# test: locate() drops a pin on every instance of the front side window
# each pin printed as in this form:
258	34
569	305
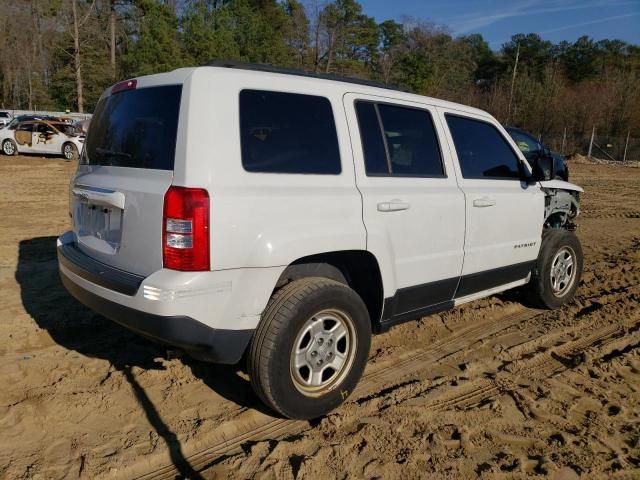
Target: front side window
44	128
398	141
482	150
288	133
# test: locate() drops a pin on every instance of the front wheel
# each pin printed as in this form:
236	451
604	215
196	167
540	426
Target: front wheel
558	269
9	147
69	151
310	348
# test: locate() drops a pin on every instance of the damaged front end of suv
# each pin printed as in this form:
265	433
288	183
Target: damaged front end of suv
561	204
562	199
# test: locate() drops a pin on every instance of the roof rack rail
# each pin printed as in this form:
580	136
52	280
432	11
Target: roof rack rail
259	67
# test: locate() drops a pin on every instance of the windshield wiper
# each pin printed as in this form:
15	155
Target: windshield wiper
112	153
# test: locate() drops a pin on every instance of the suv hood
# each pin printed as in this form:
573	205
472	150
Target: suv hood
561	185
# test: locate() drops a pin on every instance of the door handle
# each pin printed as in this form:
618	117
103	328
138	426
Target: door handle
484	202
393	206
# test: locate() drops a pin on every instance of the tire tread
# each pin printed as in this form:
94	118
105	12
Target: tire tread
275	318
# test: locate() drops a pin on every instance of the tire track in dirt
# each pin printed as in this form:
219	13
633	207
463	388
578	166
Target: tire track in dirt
545	354
597	215
253	426
542	365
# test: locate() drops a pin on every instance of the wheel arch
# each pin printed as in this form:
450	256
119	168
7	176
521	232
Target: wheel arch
357	268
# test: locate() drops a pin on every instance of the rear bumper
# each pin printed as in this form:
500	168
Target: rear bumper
197	339
90	282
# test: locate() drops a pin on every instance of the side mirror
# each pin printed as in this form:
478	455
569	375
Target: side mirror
544	168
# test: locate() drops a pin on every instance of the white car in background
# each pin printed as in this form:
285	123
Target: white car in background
5	118
42	136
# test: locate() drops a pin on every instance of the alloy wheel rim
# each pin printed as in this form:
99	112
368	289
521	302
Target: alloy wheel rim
8	148
323	352
67	151
563	271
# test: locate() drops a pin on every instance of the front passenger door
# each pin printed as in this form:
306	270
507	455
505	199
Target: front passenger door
504	214
45	139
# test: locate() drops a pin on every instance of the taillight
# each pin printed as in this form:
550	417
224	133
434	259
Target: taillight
185	231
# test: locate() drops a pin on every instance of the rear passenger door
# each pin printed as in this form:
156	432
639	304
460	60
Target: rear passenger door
413	210
504	214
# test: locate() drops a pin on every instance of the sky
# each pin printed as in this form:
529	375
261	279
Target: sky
497	20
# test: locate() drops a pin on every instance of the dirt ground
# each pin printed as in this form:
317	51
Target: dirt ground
491	390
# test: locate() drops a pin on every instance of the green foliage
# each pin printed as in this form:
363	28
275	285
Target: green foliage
579	59
155	46
534	53
249	30
208	32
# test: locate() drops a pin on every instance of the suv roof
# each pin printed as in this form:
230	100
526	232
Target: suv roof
258	67
341	85
370	87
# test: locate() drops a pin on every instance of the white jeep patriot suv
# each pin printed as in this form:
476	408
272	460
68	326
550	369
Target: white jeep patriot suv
247	211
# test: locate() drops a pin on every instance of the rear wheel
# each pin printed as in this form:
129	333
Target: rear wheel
310	348
69	151
558	269
9	147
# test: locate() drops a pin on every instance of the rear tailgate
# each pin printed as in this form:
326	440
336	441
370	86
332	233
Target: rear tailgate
125	169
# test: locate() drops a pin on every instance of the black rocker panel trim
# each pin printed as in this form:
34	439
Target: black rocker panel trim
415	302
386	323
477	282
418	297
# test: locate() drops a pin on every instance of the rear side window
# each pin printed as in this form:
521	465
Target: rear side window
375	157
482	150
135	128
398	141
288	133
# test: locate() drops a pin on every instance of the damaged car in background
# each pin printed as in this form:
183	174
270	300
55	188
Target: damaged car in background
5	118
533	150
47	136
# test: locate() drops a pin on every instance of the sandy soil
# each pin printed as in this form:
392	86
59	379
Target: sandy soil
492	389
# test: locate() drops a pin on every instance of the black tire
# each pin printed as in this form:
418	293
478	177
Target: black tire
270	359
556	243
9	146
69	151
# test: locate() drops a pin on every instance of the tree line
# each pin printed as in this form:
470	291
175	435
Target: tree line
61	54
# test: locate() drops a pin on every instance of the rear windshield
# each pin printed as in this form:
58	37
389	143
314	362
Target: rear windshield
135	128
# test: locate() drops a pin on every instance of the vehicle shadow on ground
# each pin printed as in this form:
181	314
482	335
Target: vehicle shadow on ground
76	327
